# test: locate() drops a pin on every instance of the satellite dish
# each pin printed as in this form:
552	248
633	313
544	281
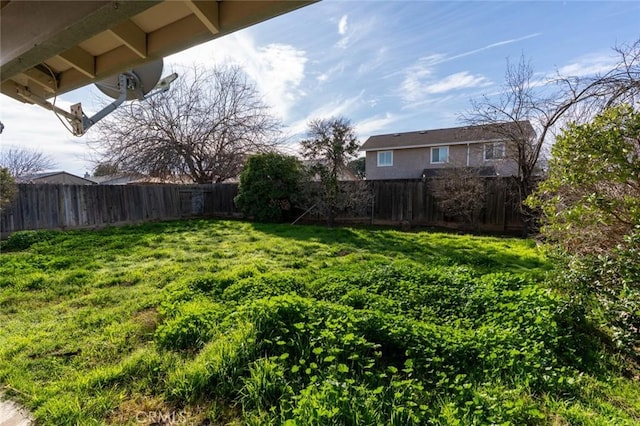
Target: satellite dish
139	83
142	80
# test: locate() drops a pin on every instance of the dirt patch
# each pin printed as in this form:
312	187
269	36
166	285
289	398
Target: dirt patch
12	414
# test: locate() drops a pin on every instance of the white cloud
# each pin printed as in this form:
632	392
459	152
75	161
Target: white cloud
34	128
344	42
374	125
343	25
588	65
421	80
277	69
487	47
427	63
336	108
329	74
355	32
377	60
457	81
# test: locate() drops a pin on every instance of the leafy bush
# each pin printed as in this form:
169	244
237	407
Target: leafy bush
269	187
591	206
342	365
607	288
591	198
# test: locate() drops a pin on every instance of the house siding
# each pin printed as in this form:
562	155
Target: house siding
409	163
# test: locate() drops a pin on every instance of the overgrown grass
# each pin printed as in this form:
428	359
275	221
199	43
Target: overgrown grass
217	322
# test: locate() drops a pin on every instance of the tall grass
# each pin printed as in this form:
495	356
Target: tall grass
231	322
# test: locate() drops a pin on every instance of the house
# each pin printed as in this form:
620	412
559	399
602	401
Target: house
54	178
139	179
416	155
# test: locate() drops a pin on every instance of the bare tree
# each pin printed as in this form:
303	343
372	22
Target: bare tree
547	105
8	188
204	128
330	145
597	92
105	169
21	162
460	192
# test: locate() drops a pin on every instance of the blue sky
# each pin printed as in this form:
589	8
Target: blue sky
388	66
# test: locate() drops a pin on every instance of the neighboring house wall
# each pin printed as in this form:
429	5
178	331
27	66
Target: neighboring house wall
485	147
505	166
409	163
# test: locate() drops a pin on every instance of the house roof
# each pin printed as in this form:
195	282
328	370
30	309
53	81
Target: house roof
47	177
140	179
454	135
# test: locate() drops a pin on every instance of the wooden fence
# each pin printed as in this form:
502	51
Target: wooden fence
411	203
393	203
46	206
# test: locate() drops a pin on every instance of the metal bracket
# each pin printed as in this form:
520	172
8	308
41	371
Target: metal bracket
79	122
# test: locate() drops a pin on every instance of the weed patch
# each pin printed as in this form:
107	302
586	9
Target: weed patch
221	322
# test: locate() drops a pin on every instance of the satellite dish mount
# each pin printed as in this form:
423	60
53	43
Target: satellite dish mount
129	85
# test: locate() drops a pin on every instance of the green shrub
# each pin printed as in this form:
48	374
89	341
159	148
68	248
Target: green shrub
607	290
269	187
591	199
22	240
334	402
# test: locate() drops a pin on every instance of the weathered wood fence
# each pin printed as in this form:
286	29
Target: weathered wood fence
410	202
46	206
394	203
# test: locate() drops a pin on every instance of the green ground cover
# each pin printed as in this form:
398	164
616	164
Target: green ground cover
218	322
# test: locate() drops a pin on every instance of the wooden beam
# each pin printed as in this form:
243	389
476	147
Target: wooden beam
81	60
115	61
43	78
177	36
132	36
236	15
207	13
111	16
14	90
59	26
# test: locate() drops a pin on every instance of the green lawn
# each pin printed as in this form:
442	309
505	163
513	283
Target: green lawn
217	322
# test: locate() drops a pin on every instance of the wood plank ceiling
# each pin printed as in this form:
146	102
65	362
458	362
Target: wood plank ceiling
51	47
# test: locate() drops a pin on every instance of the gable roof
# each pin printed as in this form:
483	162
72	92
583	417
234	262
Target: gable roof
54	177
454	135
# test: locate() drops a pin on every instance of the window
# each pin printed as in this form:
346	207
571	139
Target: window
494	151
385	158
440	154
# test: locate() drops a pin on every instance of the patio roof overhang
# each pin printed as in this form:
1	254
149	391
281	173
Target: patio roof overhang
51	47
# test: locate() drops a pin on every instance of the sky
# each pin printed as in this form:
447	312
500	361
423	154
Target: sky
388	66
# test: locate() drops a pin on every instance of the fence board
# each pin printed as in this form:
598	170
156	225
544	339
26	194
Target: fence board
396	202
45	206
